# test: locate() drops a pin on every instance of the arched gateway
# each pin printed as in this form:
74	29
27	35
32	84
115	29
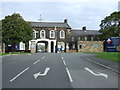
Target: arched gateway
49	46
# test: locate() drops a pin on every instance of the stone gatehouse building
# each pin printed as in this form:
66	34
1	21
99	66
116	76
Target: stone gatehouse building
59	36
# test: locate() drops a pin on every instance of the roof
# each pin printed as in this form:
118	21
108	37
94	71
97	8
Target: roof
50	24
75	32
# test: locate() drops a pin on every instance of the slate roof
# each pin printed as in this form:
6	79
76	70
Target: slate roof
75	32
50	24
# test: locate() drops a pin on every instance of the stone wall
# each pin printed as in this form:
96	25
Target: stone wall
90	46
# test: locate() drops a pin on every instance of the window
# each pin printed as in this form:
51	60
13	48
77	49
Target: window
91	38
79	38
72	38
80	46
52	34
62	34
42	34
85	38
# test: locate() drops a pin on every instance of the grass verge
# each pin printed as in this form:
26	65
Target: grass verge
12	53
113	56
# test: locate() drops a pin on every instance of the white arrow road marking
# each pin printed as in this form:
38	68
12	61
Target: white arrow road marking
38	74
99	74
36	61
43	57
19	74
62	58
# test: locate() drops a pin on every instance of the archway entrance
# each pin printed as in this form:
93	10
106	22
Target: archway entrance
44	45
52	47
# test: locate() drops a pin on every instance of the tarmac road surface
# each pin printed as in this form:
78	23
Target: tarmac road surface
53	70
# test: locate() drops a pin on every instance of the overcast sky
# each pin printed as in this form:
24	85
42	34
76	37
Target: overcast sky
79	13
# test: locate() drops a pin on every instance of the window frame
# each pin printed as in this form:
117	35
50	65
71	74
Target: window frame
62	36
52	31
41	33
73	38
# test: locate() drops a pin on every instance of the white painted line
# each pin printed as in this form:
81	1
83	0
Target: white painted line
62	58
43	57
99	74
19	74
71	80
45	72
38	74
103	65
64	62
36	62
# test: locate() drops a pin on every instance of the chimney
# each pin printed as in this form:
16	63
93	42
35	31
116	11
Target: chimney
65	21
84	28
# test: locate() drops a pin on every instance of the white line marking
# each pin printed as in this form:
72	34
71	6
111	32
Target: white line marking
43	57
99	74
71	80
62	58
64	62
19	74
36	61
103	65
38	74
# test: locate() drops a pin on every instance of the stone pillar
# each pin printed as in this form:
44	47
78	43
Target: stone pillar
33	47
29	45
67	47
49	46
54	46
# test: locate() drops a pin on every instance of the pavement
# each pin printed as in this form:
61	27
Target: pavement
103	62
53	70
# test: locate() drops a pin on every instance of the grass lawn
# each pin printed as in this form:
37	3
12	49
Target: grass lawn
12	53
113	56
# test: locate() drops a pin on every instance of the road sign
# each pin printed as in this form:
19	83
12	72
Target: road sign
108	41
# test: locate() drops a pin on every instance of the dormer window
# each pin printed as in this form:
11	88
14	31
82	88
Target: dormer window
52	34
62	34
42	34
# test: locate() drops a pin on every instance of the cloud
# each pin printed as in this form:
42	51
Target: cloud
79	13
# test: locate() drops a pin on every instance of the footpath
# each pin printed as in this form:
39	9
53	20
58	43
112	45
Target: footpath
114	66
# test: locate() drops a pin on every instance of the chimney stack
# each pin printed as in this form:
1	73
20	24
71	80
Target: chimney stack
65	21
84	28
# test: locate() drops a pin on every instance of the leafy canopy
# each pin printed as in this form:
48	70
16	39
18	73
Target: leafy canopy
110	26
15	29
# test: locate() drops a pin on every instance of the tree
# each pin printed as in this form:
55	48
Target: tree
15	30
0	32
110	26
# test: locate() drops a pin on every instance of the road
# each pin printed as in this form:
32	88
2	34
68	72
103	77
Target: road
53	70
